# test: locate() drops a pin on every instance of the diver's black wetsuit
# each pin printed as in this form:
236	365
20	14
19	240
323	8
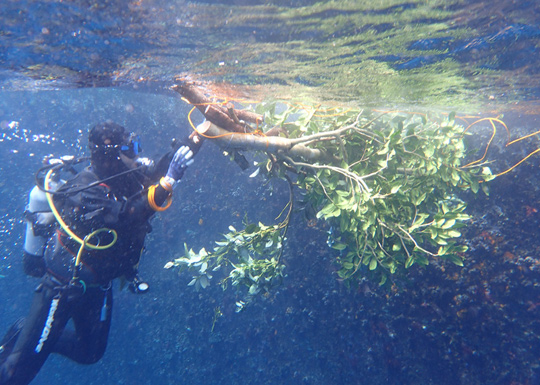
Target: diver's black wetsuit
122	205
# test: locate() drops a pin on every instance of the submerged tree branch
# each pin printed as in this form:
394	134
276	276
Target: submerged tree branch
338	132
272	144
215	112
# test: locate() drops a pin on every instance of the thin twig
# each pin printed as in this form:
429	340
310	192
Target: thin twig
358	179
334	133
416	244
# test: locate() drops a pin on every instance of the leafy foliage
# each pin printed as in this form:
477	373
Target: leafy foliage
396	204
387	186
253	256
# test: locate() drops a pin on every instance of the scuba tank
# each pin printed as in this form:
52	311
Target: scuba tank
40	224
39	221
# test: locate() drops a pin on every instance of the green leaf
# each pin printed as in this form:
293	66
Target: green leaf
439	222
429	151
474	186
454	234
339	246
449	223
420	219
462	248
204	281
343	273
253	289
329	211
444	208
251	228
440	241
384	150
373	264
409	262
395	189
456	259
420	199
485	188
442	250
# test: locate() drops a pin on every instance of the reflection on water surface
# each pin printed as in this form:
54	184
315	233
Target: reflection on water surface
444	53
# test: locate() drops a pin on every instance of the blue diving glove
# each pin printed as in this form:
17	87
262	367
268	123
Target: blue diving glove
180	161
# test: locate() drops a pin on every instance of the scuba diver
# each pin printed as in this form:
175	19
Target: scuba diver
83	232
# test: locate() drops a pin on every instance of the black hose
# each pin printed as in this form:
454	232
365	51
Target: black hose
39	181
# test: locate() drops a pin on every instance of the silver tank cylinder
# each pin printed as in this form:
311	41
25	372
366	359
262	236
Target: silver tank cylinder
37	204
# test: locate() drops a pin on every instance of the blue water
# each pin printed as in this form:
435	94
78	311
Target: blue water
445	325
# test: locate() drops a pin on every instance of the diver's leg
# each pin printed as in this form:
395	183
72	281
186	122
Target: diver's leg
10	338
92	318
42	328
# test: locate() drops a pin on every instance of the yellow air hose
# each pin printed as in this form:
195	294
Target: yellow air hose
83	242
